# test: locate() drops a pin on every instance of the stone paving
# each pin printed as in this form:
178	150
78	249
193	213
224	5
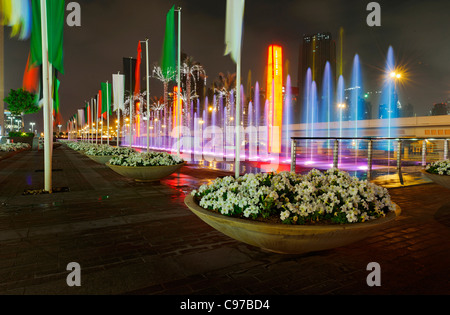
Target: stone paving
135	238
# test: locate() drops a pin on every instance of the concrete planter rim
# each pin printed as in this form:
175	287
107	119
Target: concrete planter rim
190	202
443	180
289	239
145	173
179	164
100	158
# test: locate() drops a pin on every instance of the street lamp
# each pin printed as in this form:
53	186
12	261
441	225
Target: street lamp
395	75
59	126
32	126
341	107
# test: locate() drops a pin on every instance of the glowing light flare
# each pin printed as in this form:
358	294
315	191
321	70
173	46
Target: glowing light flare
275	97
175	104
138	120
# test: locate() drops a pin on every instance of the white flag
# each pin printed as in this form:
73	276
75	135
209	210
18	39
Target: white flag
118	91
80	118
233	28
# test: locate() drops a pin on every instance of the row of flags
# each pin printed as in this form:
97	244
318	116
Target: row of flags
233	39
24	17
110	97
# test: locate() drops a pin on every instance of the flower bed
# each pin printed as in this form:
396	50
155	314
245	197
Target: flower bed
439	173
107	150
439	168
332	197
146	159
11	147
145	166
80	146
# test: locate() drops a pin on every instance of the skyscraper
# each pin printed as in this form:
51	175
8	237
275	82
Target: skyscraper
315	51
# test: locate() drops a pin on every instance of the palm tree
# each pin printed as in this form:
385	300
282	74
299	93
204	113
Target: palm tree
193	73
166	77
225	86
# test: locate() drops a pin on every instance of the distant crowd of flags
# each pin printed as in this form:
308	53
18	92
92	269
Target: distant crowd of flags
109	97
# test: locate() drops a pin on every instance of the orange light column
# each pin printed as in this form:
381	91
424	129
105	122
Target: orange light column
138	120
275	96
175	104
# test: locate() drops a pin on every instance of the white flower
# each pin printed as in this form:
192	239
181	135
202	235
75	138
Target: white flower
287	194
284	215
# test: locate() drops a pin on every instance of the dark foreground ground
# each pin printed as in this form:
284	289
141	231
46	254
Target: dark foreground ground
134	238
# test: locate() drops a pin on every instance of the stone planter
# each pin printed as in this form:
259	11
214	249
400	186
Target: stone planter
145	173
443	180
102	159
289	239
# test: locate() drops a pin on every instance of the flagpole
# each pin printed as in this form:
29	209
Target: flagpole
92	121
148	95
118	120
101	123
50	105
89	131
179	83
131	103
2	82
148	92
47	136
107	109
238	117
96	120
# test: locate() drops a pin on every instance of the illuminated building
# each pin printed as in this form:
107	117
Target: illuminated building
315	51
274	96
138	119
175	104
12	122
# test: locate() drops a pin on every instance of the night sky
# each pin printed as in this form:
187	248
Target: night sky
419	32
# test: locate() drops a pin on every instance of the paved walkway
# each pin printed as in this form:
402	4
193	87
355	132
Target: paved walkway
139	238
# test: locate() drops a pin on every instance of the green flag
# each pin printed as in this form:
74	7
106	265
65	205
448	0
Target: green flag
168	54
86	109
55	30
106	98
56	85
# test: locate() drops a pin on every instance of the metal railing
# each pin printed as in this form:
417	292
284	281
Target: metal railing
370	149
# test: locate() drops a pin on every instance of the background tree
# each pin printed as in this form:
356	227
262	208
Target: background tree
165	77
224	87
192	73
21	102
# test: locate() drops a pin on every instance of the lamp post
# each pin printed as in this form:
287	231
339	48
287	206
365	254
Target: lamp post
12	123
394	76
179	84
32	126
148	91
341	107
59	127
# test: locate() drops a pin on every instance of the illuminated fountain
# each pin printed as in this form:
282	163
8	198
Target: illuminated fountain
327	98
334	109
389	97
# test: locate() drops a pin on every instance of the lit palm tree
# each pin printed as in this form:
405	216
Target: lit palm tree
166	77
225	86
193	73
